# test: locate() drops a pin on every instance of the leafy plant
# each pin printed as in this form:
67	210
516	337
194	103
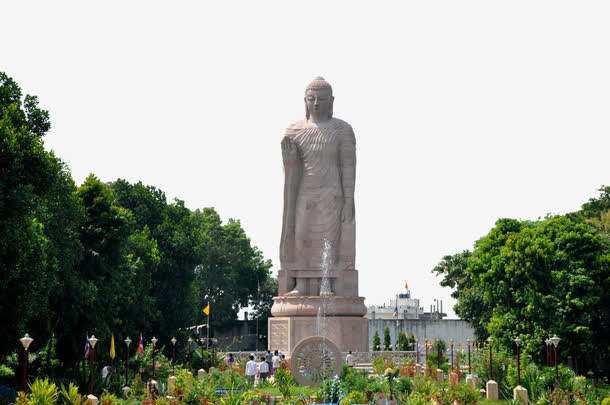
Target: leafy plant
43	392
284	381
390	375
108	398
331	390
138	389
70	396
357	397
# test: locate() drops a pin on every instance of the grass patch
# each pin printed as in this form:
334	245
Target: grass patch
294	390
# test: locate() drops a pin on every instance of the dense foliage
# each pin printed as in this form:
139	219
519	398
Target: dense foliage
106	258
534	279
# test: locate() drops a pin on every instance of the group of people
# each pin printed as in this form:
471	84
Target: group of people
266	366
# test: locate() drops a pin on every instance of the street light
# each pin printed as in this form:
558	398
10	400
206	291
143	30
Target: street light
416	351
555	341
92	341
190	340
426	348
174	356
469	342
451	342
154	342
491	376
518	343
25	341
127	342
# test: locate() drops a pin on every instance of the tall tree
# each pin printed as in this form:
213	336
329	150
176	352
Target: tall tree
534	279
39	218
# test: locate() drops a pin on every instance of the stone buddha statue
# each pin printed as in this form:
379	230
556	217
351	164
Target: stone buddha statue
318	228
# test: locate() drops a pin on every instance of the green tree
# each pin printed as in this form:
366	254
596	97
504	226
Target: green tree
438	346
229	268
387	343
536	279
403	341
376	341
39	219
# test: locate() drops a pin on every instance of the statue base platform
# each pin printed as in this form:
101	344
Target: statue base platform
312	306
347	332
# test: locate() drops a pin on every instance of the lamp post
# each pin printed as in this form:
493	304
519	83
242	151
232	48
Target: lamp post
25	341
426	348
202	340
469	342
190	341
451	343
154	342
416	351
555	341
491	376
518	343
92	341
127	342
174	356
438	357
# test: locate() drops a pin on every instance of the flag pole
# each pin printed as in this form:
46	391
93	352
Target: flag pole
258	292
207	343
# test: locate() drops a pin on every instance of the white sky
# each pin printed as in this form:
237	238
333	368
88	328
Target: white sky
464	111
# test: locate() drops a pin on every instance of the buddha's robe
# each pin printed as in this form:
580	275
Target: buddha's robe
314	196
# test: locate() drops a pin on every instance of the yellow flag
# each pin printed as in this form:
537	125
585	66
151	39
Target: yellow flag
406	286
112	354
206	310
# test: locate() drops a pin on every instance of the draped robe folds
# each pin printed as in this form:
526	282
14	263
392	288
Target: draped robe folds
315	192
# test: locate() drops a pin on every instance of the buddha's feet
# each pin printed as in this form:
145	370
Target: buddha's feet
293	293
326	294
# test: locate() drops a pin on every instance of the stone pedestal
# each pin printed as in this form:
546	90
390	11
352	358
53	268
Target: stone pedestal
296	317
170	382
440	375
126	390
200	373
492	390
94	400
419	369
472	380
347	332
520	395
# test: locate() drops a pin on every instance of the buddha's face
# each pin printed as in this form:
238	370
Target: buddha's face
319	103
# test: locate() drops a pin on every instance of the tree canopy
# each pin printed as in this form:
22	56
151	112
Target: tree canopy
533	279
107	258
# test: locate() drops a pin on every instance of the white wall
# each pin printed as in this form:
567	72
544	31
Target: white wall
445	329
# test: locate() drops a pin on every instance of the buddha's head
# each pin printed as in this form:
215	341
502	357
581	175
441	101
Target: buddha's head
319	100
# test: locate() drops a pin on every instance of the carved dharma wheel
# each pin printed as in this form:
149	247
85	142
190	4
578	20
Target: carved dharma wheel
315	359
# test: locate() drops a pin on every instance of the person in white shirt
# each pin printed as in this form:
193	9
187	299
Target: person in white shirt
105	371
276	362
350	359
263	368
251	369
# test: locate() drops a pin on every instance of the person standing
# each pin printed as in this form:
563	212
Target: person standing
269	360
263	369
275	362
105	371
284	363
251	369
350	359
